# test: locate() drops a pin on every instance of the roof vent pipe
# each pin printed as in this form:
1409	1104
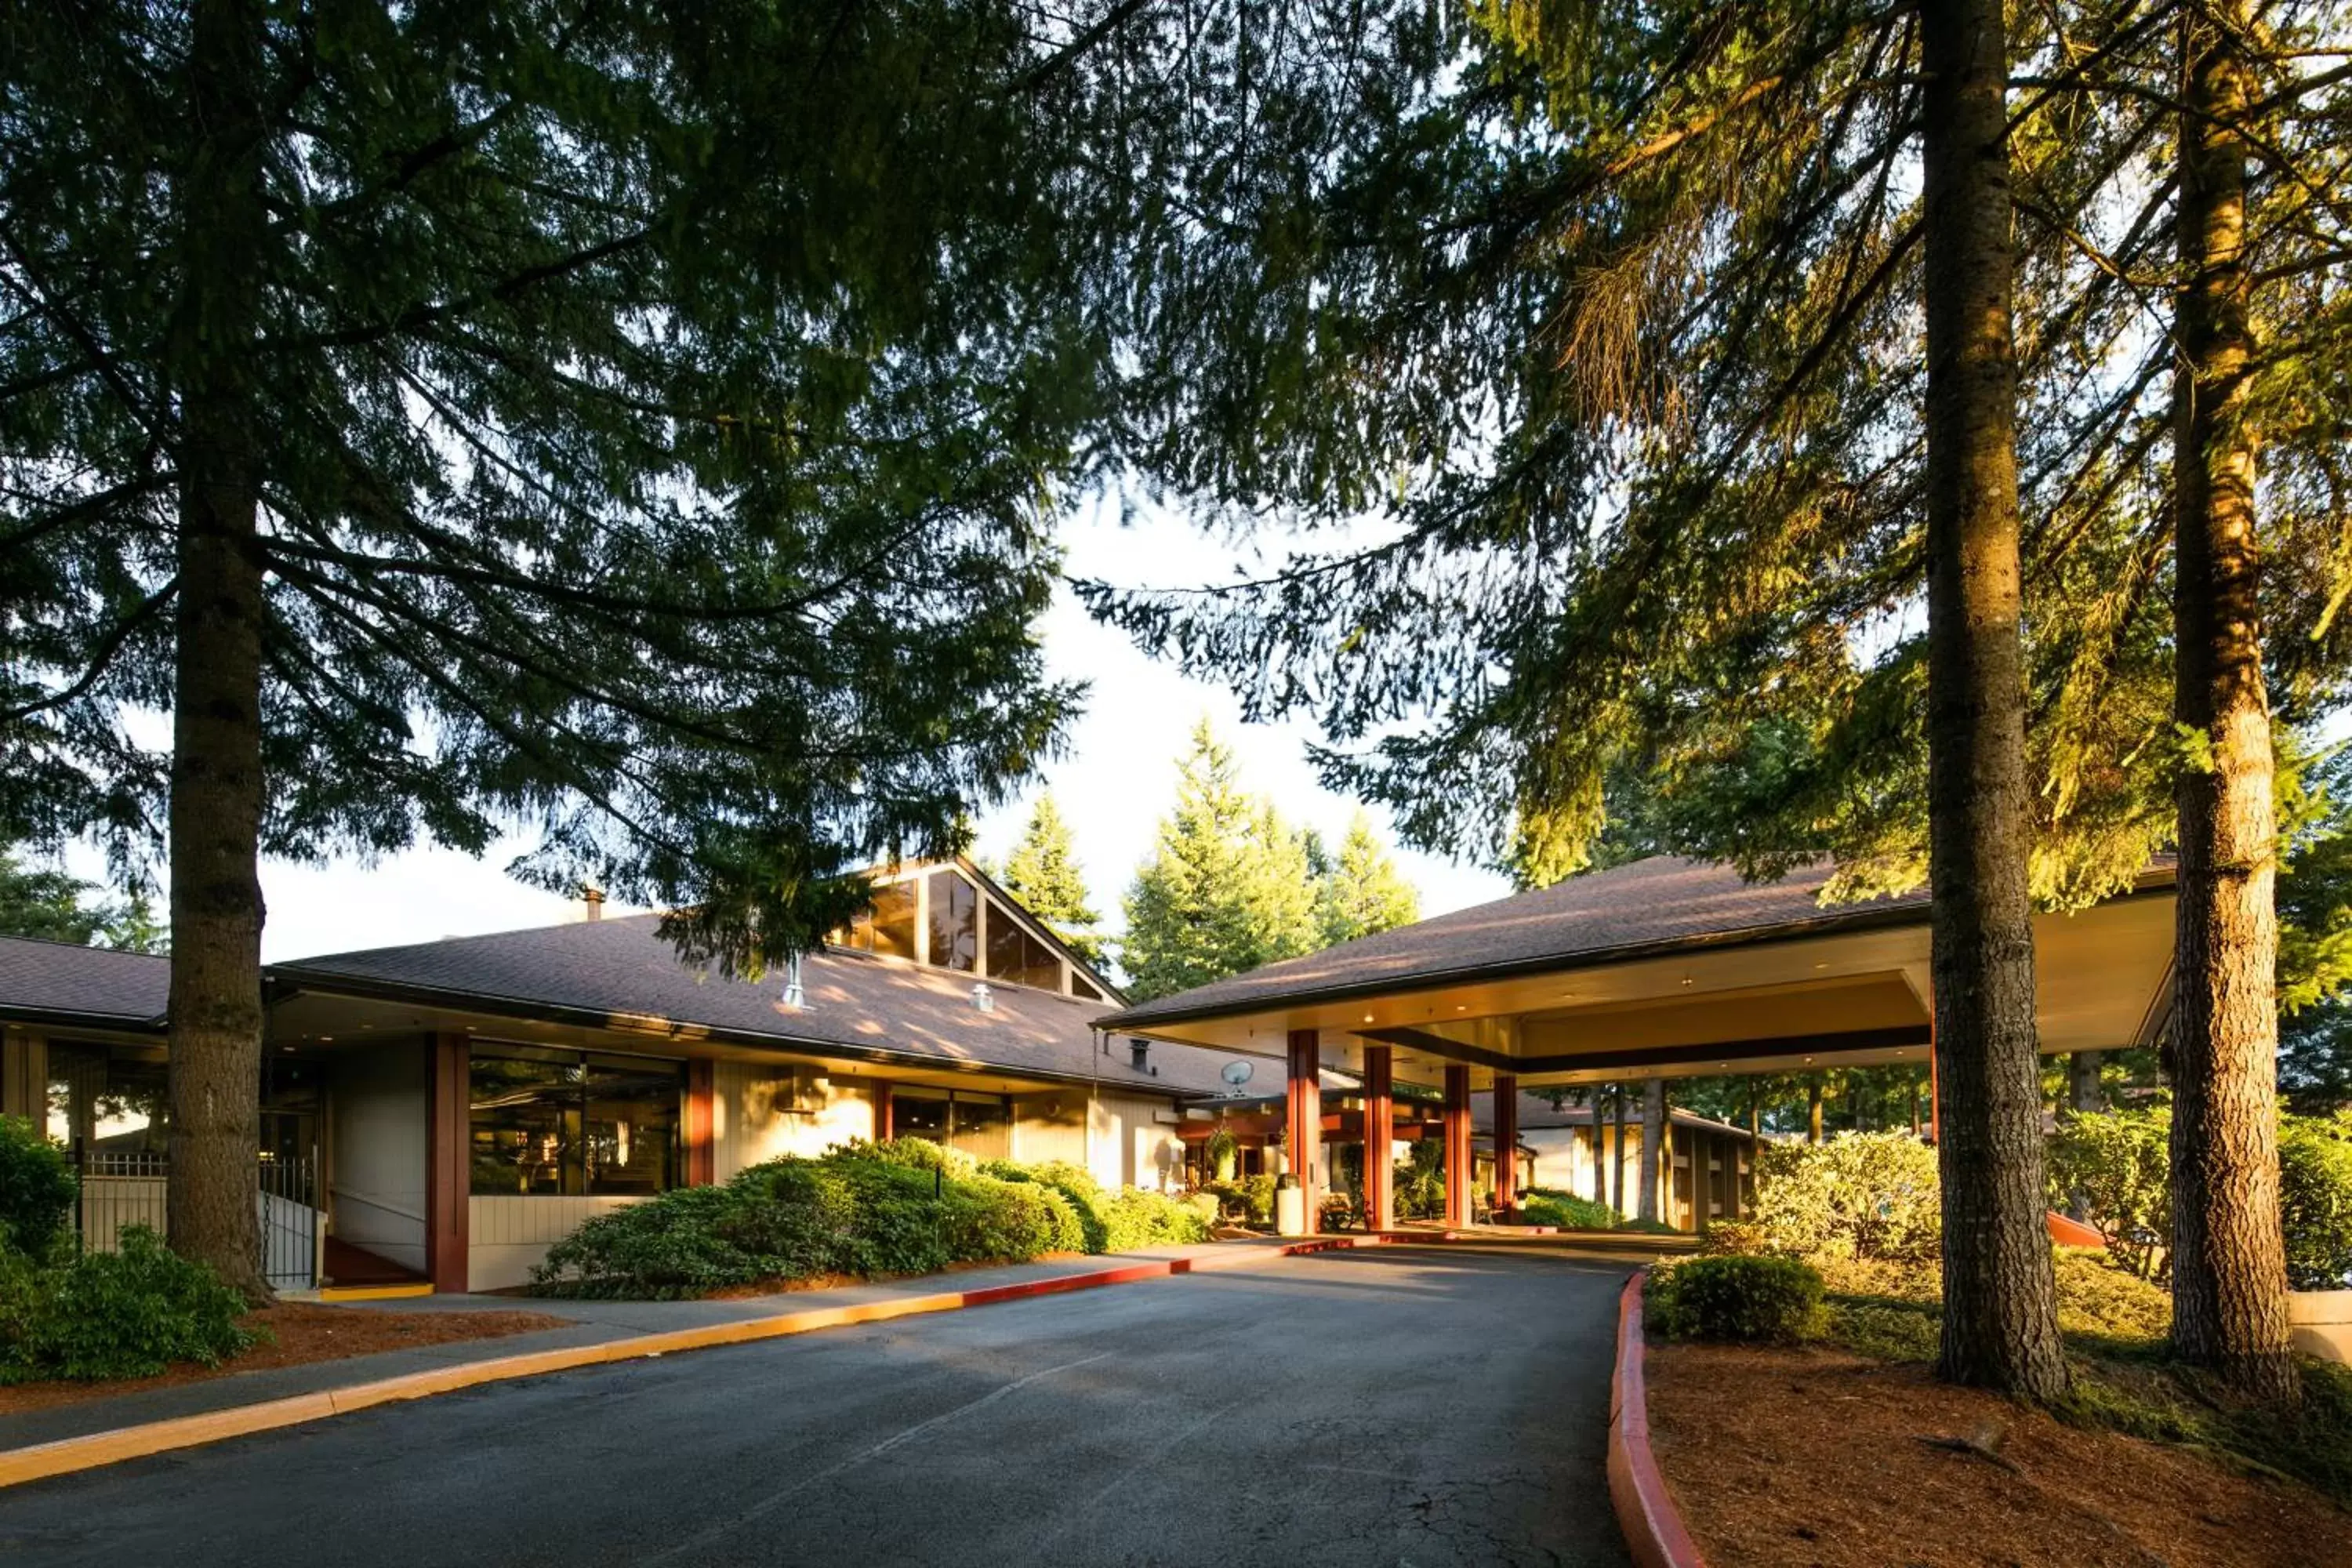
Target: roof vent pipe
982	997
794	997
593	898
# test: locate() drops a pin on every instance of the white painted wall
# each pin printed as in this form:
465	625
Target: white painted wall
1050	1126
1131	1146
752	1117
505	1236
376	1197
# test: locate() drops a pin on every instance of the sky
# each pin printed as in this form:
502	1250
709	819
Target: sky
1113	786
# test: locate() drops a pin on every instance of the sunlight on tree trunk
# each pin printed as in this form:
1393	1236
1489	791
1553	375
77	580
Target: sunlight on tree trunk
2229	1265
2001	1323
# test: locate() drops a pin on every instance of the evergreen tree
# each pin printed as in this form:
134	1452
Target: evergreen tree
1043	870
1226	889
1361	892
52	906
634	424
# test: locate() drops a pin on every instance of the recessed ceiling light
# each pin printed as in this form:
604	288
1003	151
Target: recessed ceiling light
1368	1017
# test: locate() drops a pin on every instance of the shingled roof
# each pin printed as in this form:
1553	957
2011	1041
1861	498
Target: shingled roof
57	982
875	1007
1651	905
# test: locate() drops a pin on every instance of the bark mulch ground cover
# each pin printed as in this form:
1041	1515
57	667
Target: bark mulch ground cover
300	1332
1812	1456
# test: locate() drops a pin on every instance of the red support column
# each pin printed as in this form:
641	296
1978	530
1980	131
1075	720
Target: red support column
1457	1145
1935	1099
882	1113
1380	1122
449	1166
701	1147
1507	1142
1303	1131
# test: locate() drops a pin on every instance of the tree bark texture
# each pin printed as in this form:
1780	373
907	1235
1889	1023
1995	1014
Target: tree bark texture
1653	1144
2000	1324
1813	1109
2083	1091
2229	1265
216	1013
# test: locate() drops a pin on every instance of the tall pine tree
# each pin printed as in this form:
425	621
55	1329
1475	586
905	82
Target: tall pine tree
1362	892
1227	886
1043	870
634	424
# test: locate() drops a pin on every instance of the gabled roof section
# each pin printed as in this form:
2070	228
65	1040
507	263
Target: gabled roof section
58	984
1657	905
619	971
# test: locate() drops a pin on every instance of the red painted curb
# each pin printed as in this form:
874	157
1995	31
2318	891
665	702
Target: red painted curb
1646	1508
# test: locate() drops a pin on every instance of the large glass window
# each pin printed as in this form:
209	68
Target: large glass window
112	1100
1015	955
549	1122
954	921
979	1124
893	919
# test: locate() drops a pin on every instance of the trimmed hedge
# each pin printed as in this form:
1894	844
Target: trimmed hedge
1123	1221
863	1210
1739	1299
1549	1205
130	1313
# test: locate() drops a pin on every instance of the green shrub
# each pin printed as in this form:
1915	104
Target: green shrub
914	1154
863	1210
1548	1205
1420	1187
1743	1299
1249	1200
1109	1221
129	1313
2115	1168
36	1189
2315	1199
1860	1194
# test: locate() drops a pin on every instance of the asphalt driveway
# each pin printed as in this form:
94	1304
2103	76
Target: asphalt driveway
1368	1407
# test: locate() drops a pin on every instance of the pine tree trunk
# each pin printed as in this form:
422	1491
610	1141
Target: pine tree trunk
2083	1092
2229	1266
2000	1325
1653	1138
1813	1109
216	787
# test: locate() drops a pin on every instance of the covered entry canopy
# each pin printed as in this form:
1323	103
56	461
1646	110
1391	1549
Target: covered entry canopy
1666	968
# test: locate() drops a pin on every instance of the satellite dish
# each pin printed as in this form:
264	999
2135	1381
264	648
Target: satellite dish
1237	1073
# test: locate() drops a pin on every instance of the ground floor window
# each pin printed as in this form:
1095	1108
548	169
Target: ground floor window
555	1122
109	1099
979	1125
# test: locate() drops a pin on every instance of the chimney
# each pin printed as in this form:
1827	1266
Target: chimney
595	899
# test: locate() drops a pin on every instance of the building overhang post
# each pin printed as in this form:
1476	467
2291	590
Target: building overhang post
701	1118
1379	1127
1303	1131
1507	1144
448	1163
1457	1145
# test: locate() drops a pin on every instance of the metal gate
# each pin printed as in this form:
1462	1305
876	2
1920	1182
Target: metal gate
120	1190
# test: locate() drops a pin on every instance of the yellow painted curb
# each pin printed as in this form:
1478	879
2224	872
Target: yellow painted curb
93	1449
334	1293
